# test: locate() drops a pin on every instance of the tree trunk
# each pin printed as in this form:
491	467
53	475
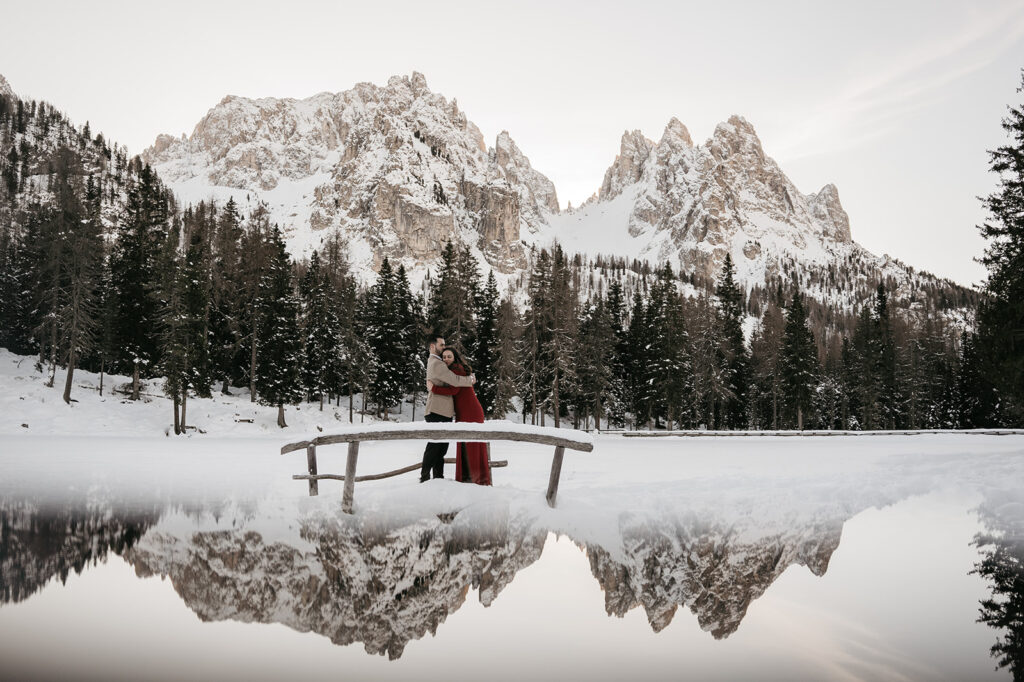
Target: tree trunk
555	400
775	410
184	405
280	416
135	379
799	417
252	370
321	402
350	400
53	337
101	377
177	422
71	373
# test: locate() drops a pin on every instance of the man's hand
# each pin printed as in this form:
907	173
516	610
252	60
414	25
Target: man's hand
430	385
473	377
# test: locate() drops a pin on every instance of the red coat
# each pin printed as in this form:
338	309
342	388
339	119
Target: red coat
468	409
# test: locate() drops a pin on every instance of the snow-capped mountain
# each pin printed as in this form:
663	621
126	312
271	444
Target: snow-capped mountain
398	169
691	204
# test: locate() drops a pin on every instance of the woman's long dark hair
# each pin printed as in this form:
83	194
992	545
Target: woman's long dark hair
459	360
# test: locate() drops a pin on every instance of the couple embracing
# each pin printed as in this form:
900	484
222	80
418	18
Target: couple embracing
451	397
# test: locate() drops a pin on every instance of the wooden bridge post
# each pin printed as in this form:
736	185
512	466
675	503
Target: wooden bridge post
350	477
314	488
556	472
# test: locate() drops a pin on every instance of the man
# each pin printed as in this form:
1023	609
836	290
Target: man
440	408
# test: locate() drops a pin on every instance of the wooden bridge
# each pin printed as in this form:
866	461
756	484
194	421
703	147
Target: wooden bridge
434	431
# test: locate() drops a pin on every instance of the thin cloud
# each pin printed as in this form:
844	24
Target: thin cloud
877	103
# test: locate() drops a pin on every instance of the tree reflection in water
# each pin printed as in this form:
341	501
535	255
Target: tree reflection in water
1002	566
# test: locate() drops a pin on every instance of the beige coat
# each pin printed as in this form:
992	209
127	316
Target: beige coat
439	373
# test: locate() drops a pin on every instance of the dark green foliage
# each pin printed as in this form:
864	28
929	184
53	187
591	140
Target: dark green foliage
279	350
734	352
142	230
385	337
1001	315
452	291
485	349
1002	568
226	297
322	331
799	362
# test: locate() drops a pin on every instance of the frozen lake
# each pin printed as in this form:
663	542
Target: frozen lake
762	558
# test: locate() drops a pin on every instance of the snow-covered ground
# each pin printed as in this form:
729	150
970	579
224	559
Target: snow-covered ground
110	446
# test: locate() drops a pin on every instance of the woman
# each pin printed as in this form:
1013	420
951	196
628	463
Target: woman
473	461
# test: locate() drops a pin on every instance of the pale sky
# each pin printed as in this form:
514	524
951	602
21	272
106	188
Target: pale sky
894	102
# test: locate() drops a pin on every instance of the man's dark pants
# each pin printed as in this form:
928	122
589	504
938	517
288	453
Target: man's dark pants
433	454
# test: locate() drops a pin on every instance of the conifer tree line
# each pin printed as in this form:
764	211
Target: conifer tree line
99	268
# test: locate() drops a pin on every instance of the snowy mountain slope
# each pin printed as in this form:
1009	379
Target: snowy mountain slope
691	204
397	169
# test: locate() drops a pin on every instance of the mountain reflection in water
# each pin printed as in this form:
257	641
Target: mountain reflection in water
387	582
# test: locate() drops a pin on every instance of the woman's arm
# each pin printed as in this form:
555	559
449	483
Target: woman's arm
443	390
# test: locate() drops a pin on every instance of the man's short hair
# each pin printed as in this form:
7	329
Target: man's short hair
432	338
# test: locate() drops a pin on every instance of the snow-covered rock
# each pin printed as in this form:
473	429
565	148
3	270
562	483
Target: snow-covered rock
398	170
5	87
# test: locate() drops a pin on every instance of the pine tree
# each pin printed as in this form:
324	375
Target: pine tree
142	229
485	345
711	387
531	385
321	328
384	335
799	360
454	286
619	392
884	355
734	351
557	353
1001	316
411	325
226	297
194	284
256	254
506	367
16	310
766	354
279	352
83	254
173	341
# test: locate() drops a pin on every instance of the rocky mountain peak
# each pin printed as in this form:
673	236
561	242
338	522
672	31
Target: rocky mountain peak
540	191
399	169
675	133
826	208
692	204
736	137
628	167
5	88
